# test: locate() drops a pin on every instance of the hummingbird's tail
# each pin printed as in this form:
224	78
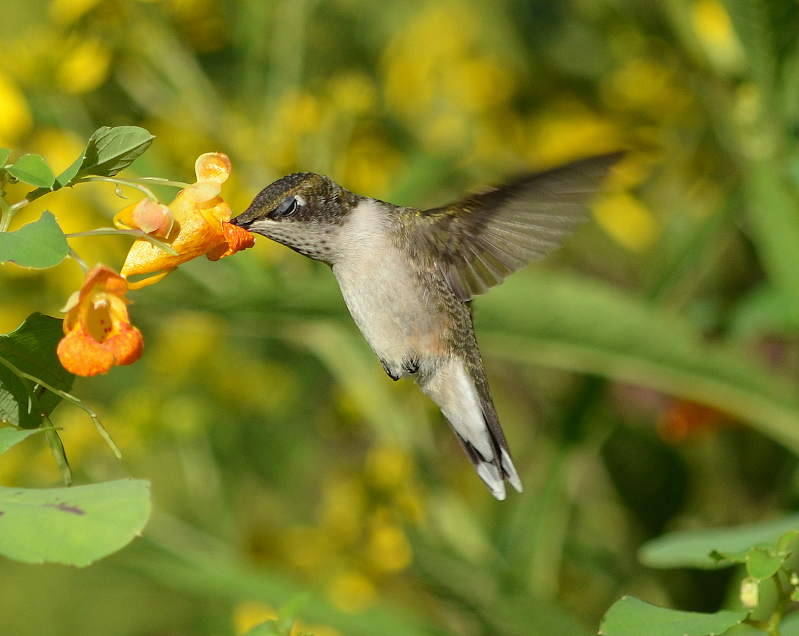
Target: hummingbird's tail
461	392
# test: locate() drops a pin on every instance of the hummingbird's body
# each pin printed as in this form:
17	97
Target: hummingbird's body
407	277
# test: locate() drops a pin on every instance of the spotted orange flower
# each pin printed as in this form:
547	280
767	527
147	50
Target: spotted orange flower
195	223
98	332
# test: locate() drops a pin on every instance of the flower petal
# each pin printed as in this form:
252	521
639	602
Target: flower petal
237	239
202	191
98	331
83	355
153	217
198	231
213	166
126	346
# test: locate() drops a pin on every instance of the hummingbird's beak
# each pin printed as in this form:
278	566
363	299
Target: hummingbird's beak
239	221
245	219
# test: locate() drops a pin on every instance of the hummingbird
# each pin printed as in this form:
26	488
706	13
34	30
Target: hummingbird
408	276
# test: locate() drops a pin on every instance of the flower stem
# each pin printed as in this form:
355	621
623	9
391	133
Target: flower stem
126	182
83	265
6	214
157	181
71	398
59	454
108	231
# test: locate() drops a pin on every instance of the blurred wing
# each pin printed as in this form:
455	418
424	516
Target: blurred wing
487	236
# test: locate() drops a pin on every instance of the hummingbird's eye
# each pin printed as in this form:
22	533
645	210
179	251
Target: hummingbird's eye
287	207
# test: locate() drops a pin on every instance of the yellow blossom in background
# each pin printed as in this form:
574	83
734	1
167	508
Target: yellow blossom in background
627	220
353	93
649	86
351	592
343	508
15	115
388	468
248	614
478	83
68	11
388	548
84	67
298	115
570	131
370	165
419	56
715	31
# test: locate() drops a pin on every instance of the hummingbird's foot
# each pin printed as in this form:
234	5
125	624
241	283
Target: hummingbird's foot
411	365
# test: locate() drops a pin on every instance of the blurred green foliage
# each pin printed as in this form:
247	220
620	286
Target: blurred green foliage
649	385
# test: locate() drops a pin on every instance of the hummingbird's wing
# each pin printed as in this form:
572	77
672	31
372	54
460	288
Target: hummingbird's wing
480	240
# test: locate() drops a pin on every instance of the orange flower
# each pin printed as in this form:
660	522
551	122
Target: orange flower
98	332
195	223
684	420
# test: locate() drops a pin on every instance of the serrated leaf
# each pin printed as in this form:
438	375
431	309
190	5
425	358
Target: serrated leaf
10	436
692	549
67	177
33	170
38	245
73	526
108	151
630	616
113	149
31	348
5	153
762	563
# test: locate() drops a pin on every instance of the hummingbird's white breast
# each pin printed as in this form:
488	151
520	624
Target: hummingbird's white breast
382	290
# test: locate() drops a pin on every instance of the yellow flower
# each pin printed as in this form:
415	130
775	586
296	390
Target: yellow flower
98	332
197	222
84	67
15	115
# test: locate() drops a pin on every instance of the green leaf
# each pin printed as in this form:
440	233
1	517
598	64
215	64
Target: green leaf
789	626
762	563
691	549
631	617
38	245
10	436
31	348
108	151
73	526
787	540
33	170
590	327
5	153
726	559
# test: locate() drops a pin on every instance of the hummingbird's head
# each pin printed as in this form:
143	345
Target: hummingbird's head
303	211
